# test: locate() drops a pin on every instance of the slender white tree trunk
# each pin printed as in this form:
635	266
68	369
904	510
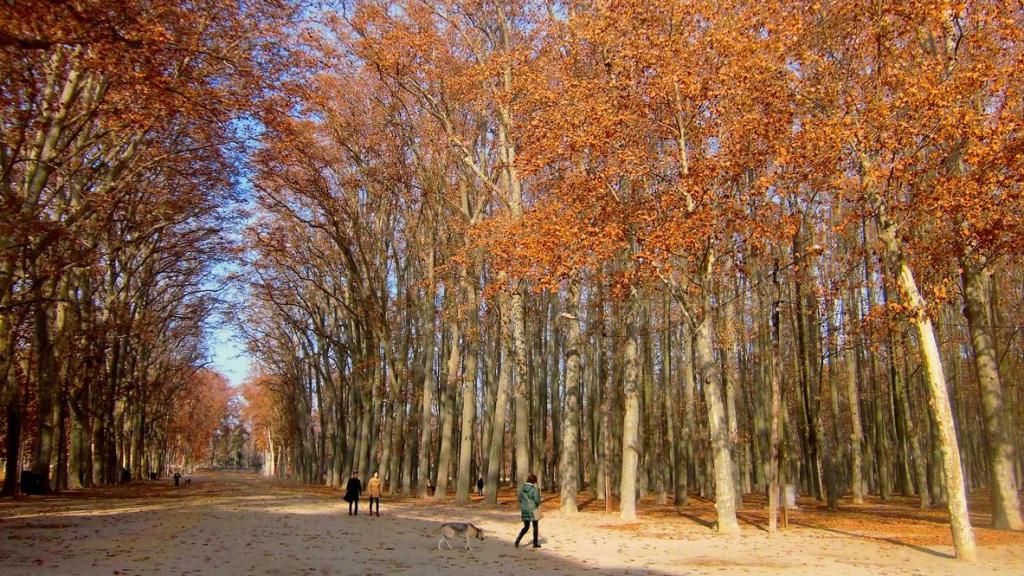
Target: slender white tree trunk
960	521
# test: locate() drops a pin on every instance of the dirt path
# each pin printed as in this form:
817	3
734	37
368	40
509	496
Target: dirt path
244	524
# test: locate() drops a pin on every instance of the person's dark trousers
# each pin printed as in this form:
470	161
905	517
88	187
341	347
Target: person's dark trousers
526	527
372	500
353	503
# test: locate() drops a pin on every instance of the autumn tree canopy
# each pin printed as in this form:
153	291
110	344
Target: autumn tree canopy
641	249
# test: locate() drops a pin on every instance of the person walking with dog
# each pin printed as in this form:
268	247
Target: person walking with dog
352	491
529	507
373	491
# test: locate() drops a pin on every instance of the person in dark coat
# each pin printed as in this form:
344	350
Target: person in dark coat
529	502
480	486
352	491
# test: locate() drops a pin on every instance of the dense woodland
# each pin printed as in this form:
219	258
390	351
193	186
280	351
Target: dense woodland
119	162
641	249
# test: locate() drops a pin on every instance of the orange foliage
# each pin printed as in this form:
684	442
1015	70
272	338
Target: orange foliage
199	413
260	411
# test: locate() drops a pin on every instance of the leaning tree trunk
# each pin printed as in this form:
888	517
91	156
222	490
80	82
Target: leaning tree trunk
1005	502
960	521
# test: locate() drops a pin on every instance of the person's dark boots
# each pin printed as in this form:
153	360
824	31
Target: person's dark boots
535	545
517	542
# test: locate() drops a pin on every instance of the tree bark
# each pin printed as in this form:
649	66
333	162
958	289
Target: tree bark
776	408
464	478
630	419
960	522
46	397
426	418
521	398
494	460
853	400
452	379
725	490
569	462
1006	513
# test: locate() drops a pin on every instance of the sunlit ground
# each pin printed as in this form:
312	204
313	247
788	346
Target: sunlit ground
243	524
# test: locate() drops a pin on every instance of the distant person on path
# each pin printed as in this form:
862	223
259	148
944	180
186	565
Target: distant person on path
373	490
529	502
177	479
480	486
352	493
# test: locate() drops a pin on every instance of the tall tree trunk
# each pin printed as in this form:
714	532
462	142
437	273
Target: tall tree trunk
409	442
539	390
725	489
569	463
689	416
490	369
426	418
853	400
494	460
522	389
731	352
607	405
1006	513
776	408
469	376
631	417
46	397
12	452
913	432
675	443
452	379
556	349
960	521
394	478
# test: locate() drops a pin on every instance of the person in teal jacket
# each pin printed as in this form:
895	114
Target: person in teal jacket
529	501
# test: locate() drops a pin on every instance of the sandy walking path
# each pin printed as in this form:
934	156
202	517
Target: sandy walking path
245	524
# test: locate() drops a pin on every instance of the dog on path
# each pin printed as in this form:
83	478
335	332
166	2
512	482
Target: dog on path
456	530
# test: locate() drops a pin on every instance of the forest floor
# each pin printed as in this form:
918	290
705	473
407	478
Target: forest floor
235	523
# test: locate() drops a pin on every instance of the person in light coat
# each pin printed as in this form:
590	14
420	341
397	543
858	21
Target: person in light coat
373	491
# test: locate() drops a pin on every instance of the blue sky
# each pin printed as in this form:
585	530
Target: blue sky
228	353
